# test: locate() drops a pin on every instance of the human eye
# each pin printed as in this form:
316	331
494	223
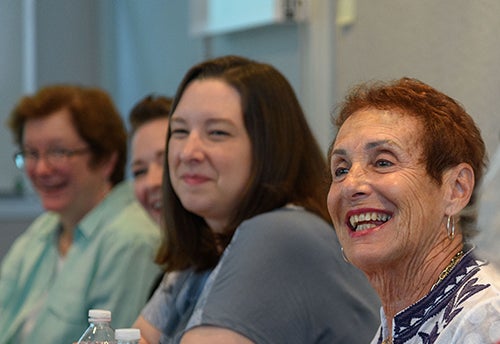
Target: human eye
219	130
138	172
30	154
58	152
384	160
339	172
383	163
218	133
339	168
178	131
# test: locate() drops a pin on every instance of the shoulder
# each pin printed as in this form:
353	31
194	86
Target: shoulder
490	274
478	324
288	239
287	222
133	219
131	229
289	261
282	233
476	306
122	218
40	230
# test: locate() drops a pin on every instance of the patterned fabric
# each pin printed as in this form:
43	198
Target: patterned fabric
463	308
173	302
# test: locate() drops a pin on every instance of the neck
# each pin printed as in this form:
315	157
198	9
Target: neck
64	241
402	284
70	220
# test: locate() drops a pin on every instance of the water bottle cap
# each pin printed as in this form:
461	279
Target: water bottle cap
100	314
127	334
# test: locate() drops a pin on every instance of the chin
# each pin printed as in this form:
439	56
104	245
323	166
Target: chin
195	207
156	217
50	206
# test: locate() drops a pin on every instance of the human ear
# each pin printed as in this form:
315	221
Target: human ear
459	180
109	165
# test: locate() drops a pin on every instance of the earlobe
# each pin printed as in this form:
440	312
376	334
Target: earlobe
460	180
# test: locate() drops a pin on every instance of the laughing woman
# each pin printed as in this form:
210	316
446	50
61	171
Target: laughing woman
404	168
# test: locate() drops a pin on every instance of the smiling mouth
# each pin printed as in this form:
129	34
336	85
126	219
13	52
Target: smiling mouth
364	221
156	205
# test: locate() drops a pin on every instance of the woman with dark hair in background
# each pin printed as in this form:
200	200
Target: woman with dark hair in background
149	123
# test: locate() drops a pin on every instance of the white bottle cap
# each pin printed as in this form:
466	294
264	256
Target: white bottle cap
127	334
100	314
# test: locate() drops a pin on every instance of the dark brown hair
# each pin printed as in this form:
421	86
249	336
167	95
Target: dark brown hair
449	136
287	164
147	109
93	114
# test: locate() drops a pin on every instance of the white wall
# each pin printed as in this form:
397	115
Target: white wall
65	48
453	45
152	48
11	83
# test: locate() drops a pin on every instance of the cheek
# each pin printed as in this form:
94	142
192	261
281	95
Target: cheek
140	191
30	174
171	157
333	203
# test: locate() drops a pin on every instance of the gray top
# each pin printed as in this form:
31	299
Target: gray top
282	279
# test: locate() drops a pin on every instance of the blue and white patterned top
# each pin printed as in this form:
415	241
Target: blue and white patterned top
463	308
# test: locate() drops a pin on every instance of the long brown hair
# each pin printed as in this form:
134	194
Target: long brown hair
288	165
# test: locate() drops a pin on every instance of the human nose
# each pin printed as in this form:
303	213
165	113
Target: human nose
192	150
40	165
356	183
155	175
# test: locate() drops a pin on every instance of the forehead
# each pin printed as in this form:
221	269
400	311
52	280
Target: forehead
380	125
156	127
209	97
55	126
150	134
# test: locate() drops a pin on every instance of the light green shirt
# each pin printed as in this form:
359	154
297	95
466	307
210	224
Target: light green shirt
109	266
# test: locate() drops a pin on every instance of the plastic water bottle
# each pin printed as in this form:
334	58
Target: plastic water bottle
127	335
99	330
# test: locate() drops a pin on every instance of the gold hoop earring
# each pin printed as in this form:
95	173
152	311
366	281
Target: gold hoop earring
344	256
450	227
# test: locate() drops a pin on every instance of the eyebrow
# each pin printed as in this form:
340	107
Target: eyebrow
375	144
208	121
157	155
368	146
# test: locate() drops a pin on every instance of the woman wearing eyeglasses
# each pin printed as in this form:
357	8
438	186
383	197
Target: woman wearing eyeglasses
94	245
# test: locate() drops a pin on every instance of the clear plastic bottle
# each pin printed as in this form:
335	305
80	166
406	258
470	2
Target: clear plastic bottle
99	330
127	335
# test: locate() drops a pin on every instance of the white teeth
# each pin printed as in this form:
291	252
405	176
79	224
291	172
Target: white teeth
353	220
365	226
373	216
156	205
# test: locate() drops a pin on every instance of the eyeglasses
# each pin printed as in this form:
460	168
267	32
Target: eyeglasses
55	157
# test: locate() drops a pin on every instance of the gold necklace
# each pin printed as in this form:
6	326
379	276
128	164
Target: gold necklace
388	340
454	261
